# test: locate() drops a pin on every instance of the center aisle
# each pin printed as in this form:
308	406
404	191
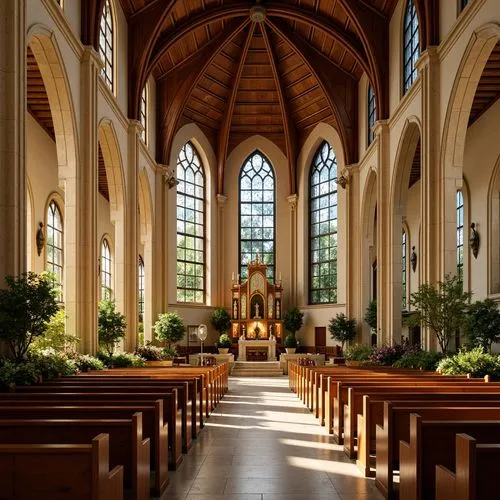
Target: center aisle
261	443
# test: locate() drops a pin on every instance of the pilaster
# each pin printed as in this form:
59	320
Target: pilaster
85	194
384	236
292	203
12	139
221	204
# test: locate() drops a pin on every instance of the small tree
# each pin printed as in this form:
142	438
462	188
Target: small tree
342	329
371	314
55	336
221	320
441	308
482	325
169	328
293	320
110	326
26	306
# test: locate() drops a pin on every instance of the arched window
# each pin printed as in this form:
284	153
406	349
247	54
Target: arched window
257	225
411	46
460	235
323	227
190	226
106	44
404	287
106	288
141	289
463	4
372	114
144	113
55	243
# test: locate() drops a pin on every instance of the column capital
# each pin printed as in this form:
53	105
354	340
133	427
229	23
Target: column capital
221	200
168	174
292	201
427	57
90	55
135	126
381	127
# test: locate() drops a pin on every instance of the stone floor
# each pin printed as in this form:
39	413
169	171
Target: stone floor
262	444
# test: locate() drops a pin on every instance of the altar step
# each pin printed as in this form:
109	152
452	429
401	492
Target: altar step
257	369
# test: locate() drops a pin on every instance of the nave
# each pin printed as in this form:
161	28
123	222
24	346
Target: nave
261	443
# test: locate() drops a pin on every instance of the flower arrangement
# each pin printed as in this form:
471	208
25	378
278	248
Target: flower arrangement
388	355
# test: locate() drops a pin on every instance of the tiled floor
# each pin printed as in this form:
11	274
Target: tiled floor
262	444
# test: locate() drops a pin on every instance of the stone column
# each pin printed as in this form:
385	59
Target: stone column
437	195
385	309
221	247
131	234
82	313
12	139
292	202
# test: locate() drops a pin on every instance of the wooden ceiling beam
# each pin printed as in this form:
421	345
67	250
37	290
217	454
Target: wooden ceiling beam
339	89
223	142
288	126
174	92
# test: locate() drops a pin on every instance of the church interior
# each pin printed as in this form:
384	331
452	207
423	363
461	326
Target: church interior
183	156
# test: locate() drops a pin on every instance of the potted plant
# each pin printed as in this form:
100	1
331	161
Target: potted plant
169	328
342	329
290	343
26	307
221	320
224	343
357	354
110	326
153	355
371	319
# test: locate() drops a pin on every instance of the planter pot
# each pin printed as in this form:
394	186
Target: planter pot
159	364
290	350
352	363
223	350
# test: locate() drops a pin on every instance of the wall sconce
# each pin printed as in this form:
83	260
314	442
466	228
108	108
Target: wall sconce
40	239
413	259
474	240
343	180
169	176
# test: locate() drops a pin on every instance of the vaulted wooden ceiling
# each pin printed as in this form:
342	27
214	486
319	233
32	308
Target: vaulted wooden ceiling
275	68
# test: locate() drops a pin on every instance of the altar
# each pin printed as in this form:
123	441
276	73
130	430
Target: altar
246	346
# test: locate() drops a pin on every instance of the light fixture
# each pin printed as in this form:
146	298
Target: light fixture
258	14
474	240
413	259
202	335
40	238
343	180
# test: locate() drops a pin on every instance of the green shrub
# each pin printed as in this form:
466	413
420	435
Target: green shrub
86	362
55	337
482	325
51	363
293	320
169	328
342	329
169	352
221	320
422	360
290	341
359	352
120	360
475	362
12	374
110	325
150	352
224	341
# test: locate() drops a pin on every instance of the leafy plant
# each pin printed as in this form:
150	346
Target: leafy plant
342	329
150	352
482	325
50	363
224	341
441	308
475	362
371	314
55	336
169	328
111	325
422	360
358	352
120	360
86	362
26	306
293	320
387	355
12	374
169	352
290	341
221	320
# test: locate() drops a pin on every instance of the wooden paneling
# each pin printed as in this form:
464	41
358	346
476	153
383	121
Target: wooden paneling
36	95
488	89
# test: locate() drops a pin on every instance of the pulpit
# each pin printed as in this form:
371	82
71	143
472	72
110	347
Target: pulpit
256	309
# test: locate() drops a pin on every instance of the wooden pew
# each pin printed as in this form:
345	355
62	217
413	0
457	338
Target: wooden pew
433	443
476	469
126	446
153	426
59	471
172	411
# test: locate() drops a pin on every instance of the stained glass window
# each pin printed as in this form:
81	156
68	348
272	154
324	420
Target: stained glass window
106	44
144	113
460	235
404	288
141	289
55	243
323	226
411	46
106	275
372	114
190	226
257	213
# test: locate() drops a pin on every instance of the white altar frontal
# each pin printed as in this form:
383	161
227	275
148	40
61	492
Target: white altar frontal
244	345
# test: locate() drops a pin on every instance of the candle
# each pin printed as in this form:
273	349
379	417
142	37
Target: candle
232	276
280	276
